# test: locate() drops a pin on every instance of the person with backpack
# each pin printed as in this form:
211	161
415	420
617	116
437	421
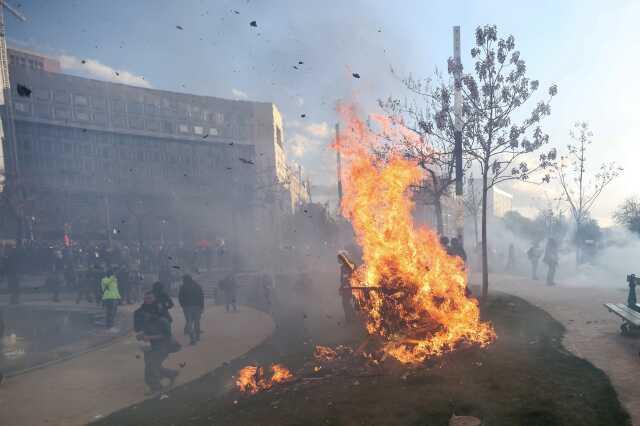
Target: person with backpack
154	328
191	299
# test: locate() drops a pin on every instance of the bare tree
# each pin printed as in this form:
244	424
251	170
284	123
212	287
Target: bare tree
429	116
492	96
579	188
628	214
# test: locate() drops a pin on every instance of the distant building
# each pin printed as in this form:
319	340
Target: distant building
499	202
96	155
34	61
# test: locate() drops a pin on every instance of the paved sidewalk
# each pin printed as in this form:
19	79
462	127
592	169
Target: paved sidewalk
85	388
593	333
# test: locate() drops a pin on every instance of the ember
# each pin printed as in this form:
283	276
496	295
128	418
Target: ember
323	353
410	290
251	379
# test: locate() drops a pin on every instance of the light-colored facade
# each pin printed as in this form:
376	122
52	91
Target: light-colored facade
218	164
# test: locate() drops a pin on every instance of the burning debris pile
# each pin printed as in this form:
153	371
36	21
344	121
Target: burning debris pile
252	379
411	292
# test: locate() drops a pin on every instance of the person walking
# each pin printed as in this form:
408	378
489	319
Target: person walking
191	298
229	288
163	300
154	328
551	259
110	298
534	254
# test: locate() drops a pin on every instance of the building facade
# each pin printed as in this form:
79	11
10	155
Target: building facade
102	157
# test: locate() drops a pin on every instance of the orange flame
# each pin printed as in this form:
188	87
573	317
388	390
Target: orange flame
251	379
417	303
324	353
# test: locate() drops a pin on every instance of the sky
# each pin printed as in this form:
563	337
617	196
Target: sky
585	47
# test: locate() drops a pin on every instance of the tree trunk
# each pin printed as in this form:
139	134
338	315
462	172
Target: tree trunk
485	258
475	226
438	207
578	243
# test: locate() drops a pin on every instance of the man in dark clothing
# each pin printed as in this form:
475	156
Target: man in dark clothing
456	249
52	283
156	330
163	300
191	299
229	289
124	284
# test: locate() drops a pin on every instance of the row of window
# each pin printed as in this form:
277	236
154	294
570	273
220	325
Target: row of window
118	121
35	64
165	107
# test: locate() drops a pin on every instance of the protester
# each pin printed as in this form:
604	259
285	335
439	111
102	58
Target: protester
346	270
551	259
191	299
444	242
52	284
229	286
110	298
456	249
124	284
163	300
155	328
534	253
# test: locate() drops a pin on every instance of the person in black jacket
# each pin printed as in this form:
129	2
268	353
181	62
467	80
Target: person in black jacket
191	299
163	300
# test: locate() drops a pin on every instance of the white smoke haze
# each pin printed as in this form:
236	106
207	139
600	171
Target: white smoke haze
95	69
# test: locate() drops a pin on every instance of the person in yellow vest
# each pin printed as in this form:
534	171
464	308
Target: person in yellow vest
110	297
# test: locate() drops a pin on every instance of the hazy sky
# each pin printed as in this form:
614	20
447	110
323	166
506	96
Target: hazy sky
586	47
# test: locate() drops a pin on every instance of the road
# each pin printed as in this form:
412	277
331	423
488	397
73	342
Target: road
97	383
592	332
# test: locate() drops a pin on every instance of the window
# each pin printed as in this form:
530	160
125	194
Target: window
119	121
100	117
80	100
198	130
62	113
213	131
135	107
279	136
219	117
42	110
83	116
117	105
153	125
99	103
183	128
41	94
22	107
62	97
167	126
136	122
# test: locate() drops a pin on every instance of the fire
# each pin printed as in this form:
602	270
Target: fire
414	292
323	353
251	379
